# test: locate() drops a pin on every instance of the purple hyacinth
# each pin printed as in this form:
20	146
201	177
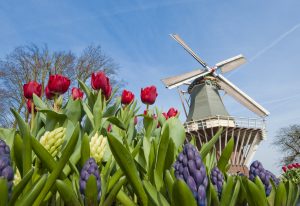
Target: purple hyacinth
90	168
190	168
4	148
217	179
256	169
6	170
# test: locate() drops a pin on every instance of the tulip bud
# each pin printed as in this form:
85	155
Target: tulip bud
52	141
76	93
31	88
127	97
290	166
148	95
58	84
100	81
172	112
98	146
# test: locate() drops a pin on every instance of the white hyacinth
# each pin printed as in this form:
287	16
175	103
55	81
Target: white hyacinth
52	141
98	145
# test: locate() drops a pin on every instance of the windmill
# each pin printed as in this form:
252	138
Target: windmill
207	112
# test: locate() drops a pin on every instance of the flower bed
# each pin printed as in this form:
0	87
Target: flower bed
88	151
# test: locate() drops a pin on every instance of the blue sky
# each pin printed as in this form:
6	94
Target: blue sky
135	34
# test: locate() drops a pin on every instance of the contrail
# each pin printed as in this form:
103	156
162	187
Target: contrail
274	43
270	46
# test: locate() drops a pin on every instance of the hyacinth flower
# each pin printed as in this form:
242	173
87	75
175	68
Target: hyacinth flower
217	179
90	168
190	168
6	170
257	169
52	141
98	145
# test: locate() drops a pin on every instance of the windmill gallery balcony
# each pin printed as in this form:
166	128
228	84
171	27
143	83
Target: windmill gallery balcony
247	134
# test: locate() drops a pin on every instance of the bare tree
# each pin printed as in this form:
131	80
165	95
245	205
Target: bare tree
31	62
288	142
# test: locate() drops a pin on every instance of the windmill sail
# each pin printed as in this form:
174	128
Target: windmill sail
240	96
175	81
231	63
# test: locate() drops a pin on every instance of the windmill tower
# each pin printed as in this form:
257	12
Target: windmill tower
207	113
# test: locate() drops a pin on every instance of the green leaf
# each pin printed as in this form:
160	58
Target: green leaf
30	196
235	194
227	192
156	197
126	162
8	136
115	190
91	191
3	191
17	149
18	189
254	194
87	91
117	122
162	152
25	133
110	111
124	199
225	156
182	194
39	103
53	118
176	131
88	113
260	185
73	110
85	149
205	149
169	183
214	199
281	196
61	164
97	110
170	156
67	193
149	125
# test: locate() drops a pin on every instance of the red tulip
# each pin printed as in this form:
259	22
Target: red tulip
290	166
172	112
284	168
48	93
135	120
127	97
76	93
148	95
100	81
298	165
28	104
31	88
294	165
165	115
58	84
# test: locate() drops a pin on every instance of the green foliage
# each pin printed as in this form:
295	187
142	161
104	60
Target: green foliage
137	170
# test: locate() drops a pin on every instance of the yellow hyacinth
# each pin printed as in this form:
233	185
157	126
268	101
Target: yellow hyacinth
52	141
98	145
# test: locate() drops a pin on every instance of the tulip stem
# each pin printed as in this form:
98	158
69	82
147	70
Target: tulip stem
32	116
147	107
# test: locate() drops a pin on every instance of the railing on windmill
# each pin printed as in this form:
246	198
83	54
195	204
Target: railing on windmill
225	121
